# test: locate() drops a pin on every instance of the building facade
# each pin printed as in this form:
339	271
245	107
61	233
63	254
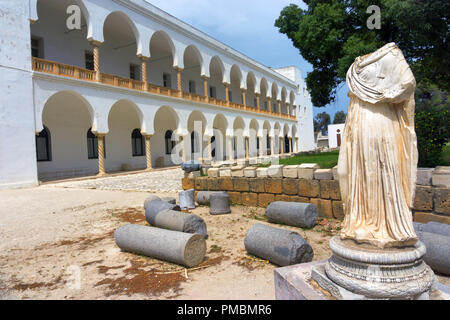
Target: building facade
131	87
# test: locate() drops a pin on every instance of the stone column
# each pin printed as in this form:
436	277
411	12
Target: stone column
258	104
278	106
262	146
269	104
244	98
183	153
205	87
296	144
230	148
288	109
272	146
144	72
210	157
179	86
295	110
101	154
148	152
227	94
247	153
282	145
290	145
95	48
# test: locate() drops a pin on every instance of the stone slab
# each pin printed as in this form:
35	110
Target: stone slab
323	174
225	172
237	171
262	172
213	172
424	176
441	176
335	173
250	172
290	171
275	171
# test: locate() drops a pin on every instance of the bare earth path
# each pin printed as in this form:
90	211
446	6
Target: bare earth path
56	242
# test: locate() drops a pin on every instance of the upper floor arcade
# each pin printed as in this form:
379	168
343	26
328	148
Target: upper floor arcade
132	44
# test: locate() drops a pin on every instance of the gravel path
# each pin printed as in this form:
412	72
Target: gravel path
156	181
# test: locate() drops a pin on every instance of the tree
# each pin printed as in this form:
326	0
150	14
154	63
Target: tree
339	117
321	122
330	34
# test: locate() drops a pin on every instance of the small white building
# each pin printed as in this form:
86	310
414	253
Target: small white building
134	87
335	134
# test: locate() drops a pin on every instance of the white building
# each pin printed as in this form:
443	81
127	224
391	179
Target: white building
135	80
335	135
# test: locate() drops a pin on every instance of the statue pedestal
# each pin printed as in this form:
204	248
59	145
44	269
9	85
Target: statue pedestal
361	272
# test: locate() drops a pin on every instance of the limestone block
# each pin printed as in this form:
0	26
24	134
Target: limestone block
204	170
250	172
180	221
329	189
290	186
225	172
249	199
425	217
213	172
308	188
194	174
323	174
441	200
282	197
424	176
303	215
187	183
240	184
235	197
177	247
264	199
338	210
237	171
256	185
306	170
441	177
290	171
424	199
279	246
324	207
437	255
262	172
274	185
225	184
275	171
253	161
201	183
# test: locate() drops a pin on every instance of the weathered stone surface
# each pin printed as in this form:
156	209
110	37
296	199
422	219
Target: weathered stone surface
282	197
306	170
323	174
224	172
441	199
240	184
279	246
329	189
194	174
213	172
299	199
203	197
201	183
219	204
308	188
335	173
264	199
170	200
235	197
338	209
187	199
237	171
433	227
441	177
424	176
438	253
303	215
156	206
250	172
424	199
213	184
290	186
262	172
274	185
324	207
256	185
150	199
290	171
180	221
275	171
225	184
249	199
425	217
187	183
177	247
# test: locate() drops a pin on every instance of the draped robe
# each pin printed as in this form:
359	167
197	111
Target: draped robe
378	158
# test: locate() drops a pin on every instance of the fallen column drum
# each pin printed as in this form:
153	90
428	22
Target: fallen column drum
296	214
180	221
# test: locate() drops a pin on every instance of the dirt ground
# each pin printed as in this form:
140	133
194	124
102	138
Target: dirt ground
57	243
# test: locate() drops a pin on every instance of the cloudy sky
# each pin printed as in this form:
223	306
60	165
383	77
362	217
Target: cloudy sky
247	26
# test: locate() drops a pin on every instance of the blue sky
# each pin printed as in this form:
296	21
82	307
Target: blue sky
248	26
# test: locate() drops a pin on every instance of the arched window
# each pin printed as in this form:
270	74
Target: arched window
170	144
43	145
92	145
286	144
137	143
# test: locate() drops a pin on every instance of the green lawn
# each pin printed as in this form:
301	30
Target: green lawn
324	160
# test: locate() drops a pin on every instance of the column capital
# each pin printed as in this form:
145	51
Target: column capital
95	43
257	94
147	135
143	58
100	135
243	90
226	84
178	69
204	77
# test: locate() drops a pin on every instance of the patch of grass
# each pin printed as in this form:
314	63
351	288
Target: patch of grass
325	160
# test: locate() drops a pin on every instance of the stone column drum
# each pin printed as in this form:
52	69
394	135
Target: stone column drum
296	214
203	197
219	204
177	247
186	199
180	221
157	206
282	247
